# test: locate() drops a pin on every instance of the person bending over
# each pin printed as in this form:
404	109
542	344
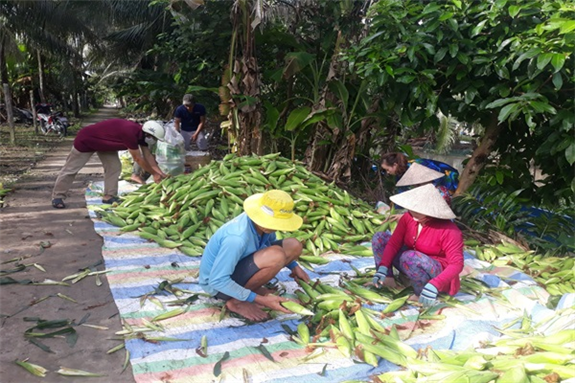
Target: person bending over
106	138
426	246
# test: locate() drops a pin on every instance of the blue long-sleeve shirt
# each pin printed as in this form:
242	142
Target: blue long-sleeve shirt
231	243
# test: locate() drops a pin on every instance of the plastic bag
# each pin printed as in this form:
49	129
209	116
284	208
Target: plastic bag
170	153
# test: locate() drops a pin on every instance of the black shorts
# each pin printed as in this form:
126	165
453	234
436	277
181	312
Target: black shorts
244	271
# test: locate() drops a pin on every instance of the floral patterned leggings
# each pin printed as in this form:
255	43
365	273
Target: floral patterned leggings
418	267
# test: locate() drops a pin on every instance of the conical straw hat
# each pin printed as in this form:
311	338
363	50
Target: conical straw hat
424	200
418	174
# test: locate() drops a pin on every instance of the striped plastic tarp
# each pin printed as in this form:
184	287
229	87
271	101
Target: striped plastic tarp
135	267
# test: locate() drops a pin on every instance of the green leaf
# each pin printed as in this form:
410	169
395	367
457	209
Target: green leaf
542	107
316	117
272	115
341	91
527	55
514	10
463	58
570	154
335	121
296	117
500	177
558	61
557	80
265	352
477	29
504	43
567	26
406	79
295	62
218	366
432	7
543	60
453	49
445	16
498	103
506	111
440	55
470	95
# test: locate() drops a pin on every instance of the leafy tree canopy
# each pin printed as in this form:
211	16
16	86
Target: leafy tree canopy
504	61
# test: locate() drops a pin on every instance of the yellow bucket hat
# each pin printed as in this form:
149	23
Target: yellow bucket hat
273	210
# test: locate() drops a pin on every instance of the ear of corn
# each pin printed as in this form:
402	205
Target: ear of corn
296	308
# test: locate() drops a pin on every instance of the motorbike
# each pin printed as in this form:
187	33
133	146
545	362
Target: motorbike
50	121
24	116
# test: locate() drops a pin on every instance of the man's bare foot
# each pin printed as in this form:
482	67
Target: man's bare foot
136	178
248	310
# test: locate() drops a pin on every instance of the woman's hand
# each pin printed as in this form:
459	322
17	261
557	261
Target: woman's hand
389	282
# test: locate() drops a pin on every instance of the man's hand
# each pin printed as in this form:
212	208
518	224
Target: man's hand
299	273
273	302
158	177
194	136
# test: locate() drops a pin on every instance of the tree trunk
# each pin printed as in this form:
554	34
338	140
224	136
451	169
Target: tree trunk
317	155
245	80
75	104
479	156
3	69
41	77
9	113
34	115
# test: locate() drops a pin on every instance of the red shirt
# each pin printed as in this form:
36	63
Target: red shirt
110	135
439	239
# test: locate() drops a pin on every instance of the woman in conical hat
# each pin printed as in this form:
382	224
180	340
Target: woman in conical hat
444	177
426	246
243	255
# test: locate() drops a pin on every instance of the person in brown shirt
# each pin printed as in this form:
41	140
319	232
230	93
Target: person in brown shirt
106	138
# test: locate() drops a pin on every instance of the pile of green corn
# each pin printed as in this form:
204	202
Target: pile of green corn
556	274
338	317
540	354
184	211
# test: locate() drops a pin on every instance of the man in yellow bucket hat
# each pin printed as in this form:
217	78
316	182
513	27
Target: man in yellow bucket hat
243	255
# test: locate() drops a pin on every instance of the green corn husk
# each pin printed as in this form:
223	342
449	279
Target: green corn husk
460	376
476	362
401	376
34	369
342	343
169	314
303	332
73	372
395	305
296	308
345	327
514	375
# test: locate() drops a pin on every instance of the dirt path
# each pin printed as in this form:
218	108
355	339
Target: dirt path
62	242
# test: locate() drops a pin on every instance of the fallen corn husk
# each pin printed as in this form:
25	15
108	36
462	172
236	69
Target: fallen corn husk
34	369
73	372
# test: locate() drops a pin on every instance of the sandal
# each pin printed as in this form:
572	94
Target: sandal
58	203
112	200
